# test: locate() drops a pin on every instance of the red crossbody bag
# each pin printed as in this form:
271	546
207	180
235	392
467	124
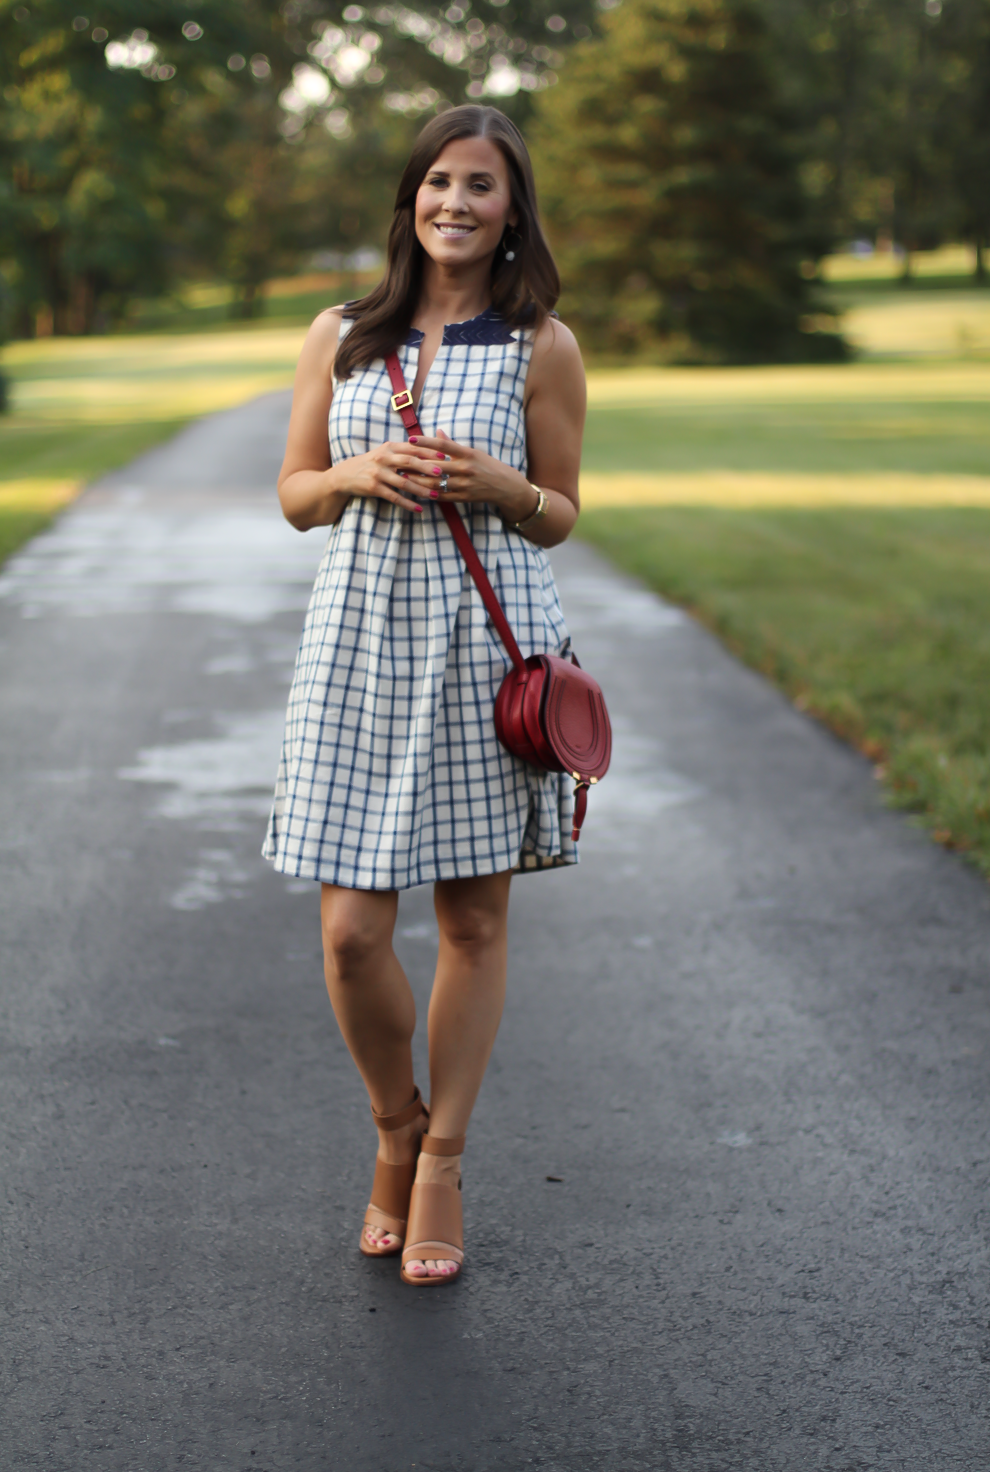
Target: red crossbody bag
548	711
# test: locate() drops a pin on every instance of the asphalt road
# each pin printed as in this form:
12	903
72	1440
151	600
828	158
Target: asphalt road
749	1034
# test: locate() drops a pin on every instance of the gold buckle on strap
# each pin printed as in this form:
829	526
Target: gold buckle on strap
402	401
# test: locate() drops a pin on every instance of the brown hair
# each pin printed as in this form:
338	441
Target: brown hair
524	290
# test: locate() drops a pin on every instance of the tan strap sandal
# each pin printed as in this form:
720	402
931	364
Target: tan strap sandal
390	1190
436	1228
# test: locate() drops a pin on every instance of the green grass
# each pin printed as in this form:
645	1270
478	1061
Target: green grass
935	437
46	464
17	527
876	621
78	452
290	302
81	407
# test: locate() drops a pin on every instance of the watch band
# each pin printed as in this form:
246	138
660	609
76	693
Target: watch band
543	501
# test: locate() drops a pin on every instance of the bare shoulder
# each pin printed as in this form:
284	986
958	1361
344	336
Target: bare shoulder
556	362
320	346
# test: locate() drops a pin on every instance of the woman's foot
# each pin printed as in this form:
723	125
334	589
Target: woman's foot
434	1215
396	1147
399	1136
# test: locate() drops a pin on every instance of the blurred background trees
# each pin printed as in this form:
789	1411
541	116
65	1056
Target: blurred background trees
671	172
722	146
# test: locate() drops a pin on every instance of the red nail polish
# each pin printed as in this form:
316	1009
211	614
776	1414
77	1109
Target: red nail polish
414	439
434	496
419	508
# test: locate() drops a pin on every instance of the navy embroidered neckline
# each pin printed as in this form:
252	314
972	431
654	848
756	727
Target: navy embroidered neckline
488	329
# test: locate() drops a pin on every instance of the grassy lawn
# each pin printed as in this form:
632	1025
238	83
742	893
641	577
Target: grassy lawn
81	407
832	526
875	620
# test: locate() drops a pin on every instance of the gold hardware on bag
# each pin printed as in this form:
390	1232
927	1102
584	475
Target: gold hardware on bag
402	401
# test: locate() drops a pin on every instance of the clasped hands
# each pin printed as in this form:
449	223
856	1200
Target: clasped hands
436	468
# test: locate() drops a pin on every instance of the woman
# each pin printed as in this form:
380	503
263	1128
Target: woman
391	773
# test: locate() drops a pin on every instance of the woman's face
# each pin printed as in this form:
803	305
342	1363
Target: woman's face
464	203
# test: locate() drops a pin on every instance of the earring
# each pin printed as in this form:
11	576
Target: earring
510	253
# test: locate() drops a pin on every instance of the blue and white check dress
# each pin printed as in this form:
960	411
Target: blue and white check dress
391	772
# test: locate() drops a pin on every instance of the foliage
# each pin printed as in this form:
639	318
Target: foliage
148	143
140	146
88	149
672	188
894	102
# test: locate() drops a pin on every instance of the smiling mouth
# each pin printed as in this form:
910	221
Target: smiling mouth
455	232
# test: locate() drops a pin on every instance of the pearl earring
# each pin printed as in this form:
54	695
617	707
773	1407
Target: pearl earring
510	254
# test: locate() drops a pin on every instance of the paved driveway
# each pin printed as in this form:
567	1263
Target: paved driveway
726	1187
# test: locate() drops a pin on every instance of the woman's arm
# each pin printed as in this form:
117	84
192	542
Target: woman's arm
556	401
313	492
556	398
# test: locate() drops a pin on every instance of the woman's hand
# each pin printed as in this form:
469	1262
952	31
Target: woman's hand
389	472
474	475
312	491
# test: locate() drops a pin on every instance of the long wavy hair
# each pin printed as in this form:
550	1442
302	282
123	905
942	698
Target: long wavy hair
524	290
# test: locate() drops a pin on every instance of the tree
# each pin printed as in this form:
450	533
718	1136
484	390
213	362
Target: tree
672	188
894	102
965	120
154	139
86	180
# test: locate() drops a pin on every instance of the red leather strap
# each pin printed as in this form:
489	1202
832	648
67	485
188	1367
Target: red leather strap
580	808
453	519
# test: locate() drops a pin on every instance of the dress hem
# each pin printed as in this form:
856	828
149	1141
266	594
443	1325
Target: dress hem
539	863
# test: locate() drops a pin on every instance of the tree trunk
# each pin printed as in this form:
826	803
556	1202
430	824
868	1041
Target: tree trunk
247	303
81	305
23	327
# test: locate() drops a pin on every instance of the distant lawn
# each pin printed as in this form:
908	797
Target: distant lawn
875	618
876	621
84	406
289	301
851	433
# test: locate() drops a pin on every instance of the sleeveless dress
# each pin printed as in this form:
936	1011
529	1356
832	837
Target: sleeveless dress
391	774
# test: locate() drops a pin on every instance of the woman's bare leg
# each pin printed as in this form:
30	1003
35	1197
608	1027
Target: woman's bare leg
374	1008
465	1011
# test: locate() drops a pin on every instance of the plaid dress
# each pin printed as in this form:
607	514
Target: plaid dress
391	773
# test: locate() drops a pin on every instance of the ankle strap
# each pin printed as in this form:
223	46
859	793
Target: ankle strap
412	1111
433	1146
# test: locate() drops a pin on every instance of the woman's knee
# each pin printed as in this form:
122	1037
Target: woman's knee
474	928
353	938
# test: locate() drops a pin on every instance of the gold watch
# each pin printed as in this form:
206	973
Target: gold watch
542	503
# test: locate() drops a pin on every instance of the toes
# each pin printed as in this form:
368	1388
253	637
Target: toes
378	1238
431	1268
